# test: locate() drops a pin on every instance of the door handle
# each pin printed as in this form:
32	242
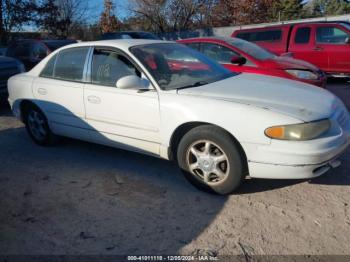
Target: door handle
94	99
317	48
42	91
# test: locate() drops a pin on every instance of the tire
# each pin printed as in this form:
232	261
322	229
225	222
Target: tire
211	160
37	126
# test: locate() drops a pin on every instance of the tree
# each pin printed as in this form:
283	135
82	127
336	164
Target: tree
232	12
153	12
172	15
14	14
289	9
58	17
108	21
327	7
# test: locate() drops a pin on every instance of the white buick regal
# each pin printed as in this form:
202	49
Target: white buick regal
167	100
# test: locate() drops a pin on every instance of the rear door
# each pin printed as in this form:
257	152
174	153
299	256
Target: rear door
303	46
331	39
59	91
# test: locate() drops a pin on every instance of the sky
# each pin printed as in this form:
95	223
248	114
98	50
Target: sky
96	8
122	11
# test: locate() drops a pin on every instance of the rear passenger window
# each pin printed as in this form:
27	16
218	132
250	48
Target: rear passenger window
244	36
48	70
263	36
70	64
302	35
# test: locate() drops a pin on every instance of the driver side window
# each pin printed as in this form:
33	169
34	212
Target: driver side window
331	35
109	66
218	53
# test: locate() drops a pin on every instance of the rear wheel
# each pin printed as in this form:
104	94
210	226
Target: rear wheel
37	126
211	159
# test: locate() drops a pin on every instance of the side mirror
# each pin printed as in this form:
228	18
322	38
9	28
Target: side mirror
238	60
133	82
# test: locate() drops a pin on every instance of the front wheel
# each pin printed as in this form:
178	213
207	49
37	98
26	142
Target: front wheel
37	126
211	160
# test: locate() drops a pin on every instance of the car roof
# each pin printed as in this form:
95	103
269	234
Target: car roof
124	44
218	39
57	40
290	25
127	32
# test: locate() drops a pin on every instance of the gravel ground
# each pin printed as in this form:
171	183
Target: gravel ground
81	198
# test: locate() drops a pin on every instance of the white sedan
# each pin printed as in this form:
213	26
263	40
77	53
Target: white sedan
169	101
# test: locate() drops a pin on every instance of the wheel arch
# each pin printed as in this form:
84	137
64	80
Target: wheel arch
181	130
23	105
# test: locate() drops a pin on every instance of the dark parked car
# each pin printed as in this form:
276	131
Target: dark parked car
8	67
3	50
129	35
31	52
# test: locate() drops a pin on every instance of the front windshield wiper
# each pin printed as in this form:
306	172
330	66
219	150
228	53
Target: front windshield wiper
199	83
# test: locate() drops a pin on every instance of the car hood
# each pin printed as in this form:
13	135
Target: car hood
301	101
282	62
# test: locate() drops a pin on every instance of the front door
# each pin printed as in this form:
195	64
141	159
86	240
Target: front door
223	55
125	118
303	46
332	40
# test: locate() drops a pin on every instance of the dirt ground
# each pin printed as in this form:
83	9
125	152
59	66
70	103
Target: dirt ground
81	198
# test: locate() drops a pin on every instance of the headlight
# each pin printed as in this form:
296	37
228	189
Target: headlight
299	132
302	74
21	67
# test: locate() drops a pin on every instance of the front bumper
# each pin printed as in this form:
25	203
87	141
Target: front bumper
278	171
298	160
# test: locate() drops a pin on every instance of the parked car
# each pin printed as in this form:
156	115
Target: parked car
3	51
31	52
218	125
324	44
240	56
8	67
129	35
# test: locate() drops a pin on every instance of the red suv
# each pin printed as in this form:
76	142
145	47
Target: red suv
241	56
324	44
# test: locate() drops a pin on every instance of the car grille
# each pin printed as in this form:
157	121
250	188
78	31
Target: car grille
6	71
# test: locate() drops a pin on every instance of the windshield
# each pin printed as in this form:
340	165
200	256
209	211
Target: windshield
346	25
251	49
176	66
